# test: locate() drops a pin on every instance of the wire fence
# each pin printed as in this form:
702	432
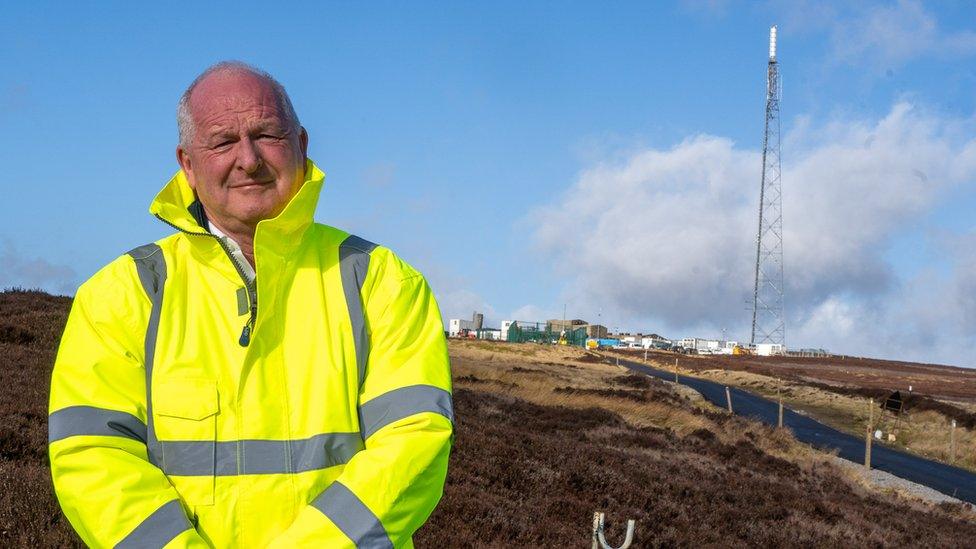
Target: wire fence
521	331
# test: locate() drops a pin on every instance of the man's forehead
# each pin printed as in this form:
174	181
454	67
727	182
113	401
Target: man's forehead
229	91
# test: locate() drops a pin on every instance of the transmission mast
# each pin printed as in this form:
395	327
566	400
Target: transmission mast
768	324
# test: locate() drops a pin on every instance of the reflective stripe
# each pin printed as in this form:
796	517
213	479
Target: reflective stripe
151	267
403	402
90	421
259	457
158	529
351	516
353	266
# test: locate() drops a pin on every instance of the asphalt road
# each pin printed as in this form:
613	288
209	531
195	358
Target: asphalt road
947	479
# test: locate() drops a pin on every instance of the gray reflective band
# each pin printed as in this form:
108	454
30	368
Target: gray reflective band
351	516
151	267
353	265
91	421
401	403
158	529
259	457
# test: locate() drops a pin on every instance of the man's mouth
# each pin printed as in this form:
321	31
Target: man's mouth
251	184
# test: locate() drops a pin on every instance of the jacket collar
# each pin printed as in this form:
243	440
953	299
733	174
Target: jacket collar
177	205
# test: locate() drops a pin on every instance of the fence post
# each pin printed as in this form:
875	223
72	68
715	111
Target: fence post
952	443
728	398
780	422
645	354
676	370
867	438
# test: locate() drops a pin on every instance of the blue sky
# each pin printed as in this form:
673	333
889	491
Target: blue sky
529	155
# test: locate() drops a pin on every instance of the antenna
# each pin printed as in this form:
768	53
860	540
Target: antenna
768	321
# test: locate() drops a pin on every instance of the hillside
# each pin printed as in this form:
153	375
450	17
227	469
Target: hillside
545	436
836	391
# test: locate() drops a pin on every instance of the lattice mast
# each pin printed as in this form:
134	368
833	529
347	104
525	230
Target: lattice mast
768	323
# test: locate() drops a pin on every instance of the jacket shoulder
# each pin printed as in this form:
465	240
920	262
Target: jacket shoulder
382	261
121	278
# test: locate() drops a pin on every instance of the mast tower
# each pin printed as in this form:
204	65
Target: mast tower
768	322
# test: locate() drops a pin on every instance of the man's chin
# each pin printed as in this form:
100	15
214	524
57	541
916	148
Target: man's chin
254	217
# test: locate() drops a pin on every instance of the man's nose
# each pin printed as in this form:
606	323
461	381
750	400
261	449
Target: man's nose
248	156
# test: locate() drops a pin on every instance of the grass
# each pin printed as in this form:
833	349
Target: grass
504	370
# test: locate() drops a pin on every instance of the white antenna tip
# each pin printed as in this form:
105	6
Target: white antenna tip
772	43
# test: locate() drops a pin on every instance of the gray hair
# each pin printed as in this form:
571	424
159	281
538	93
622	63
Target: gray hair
184	120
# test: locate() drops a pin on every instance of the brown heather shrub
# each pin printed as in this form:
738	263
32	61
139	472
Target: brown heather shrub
524	475
30	328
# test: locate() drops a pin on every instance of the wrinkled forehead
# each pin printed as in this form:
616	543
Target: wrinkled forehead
234	93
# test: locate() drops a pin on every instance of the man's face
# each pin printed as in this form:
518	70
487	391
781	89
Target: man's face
245	161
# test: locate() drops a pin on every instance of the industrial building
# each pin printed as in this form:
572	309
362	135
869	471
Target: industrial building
592	330
577	331
458	327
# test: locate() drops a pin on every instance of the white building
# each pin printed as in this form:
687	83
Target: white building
652	341
703	346
769	349
457	326
490	333
506	324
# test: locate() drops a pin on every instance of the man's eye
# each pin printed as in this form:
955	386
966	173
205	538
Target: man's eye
268	136
222	144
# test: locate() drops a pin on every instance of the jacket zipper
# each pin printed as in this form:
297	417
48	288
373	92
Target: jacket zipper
252	299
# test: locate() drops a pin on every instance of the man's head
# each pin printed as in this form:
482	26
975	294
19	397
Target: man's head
241	145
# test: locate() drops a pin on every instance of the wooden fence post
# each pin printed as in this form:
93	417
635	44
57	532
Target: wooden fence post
780	422
728	398
867	439
675	370
952	443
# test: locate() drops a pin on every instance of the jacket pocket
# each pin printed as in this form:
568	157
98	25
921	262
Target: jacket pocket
185	416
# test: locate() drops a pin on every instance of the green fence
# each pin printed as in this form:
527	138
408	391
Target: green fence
538	332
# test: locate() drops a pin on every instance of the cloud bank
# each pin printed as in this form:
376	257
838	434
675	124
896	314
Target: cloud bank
668	236
891	34
19	271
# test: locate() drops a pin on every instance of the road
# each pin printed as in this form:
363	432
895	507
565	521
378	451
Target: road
947	479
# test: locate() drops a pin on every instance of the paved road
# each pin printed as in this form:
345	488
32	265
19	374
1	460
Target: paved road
947	479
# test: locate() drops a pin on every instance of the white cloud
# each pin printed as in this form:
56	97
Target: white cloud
892	34
18	270
462	303
668	236
532	313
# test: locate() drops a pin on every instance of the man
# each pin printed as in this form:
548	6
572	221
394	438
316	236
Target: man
255	379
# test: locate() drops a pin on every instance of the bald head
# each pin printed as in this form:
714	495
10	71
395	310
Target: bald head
241	147
224	73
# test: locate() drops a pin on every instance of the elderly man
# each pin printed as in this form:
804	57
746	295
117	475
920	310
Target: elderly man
255	379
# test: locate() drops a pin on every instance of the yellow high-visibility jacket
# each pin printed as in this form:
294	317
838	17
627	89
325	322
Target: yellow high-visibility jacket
189	410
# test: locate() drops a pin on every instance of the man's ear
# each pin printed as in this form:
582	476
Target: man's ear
183	159
303	140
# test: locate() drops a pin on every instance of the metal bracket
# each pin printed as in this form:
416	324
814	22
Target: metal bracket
600	542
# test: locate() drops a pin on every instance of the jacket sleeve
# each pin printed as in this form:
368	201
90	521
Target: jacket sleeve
107	488
389	489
